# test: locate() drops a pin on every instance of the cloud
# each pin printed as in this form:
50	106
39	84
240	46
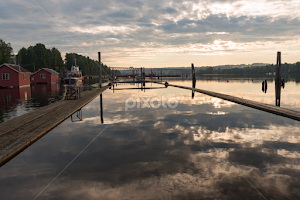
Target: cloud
132	30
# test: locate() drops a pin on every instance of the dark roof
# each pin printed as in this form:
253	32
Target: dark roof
16	68
51	71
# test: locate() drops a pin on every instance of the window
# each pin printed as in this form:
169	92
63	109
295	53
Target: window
56	76
24	76
5	76
43	76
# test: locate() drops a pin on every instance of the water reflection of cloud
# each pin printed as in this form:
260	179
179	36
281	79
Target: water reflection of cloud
157	154
217	113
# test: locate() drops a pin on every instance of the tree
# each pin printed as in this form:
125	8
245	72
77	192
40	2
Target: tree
1	56
40	57
6	51
56	60
298	67
87	65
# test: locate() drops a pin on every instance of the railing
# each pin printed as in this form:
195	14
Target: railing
72	92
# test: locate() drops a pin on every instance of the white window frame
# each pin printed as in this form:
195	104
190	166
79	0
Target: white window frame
5	76
43	76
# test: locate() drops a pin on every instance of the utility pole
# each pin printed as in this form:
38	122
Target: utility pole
194	76
278	79
100	78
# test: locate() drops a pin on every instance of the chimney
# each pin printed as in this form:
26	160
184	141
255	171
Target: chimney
19	68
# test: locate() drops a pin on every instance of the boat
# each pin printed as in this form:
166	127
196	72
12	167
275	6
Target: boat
74	76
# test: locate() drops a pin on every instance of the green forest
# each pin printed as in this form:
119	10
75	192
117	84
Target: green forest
38	56
87	65
5	52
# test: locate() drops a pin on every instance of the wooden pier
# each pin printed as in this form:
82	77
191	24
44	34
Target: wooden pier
292	114
20	132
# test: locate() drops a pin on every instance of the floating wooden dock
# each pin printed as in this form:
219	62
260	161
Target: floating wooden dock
20	132
292	114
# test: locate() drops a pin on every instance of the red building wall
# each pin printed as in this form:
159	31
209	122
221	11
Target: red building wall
26	81
15	79
37	77
55	77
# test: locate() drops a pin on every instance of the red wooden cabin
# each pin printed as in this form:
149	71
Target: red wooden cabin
45	75
14	76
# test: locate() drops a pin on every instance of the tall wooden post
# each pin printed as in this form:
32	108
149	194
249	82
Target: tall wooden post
100	85
194	76
101	109
160	75
141	75
100	78
194	80
133	75
278	79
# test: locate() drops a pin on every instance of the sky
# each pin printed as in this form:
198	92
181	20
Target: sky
158	33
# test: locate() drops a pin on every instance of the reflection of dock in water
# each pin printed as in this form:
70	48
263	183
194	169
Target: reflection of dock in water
20	132
253	104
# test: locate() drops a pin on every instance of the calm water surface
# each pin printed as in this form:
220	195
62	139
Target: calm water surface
205	148
18	101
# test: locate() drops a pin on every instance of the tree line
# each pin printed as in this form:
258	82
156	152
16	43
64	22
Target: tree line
87	65
259	70
38	56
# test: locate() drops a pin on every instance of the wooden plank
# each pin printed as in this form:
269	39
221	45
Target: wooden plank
19	136
292	114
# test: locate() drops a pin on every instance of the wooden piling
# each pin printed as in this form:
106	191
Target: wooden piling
194	76
100	78
278	80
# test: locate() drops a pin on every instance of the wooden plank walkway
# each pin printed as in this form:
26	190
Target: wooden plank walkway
20	132
292	114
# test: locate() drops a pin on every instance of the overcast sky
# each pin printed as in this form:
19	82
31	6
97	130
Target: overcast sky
158	33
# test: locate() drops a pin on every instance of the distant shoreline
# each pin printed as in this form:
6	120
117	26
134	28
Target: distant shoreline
220	74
